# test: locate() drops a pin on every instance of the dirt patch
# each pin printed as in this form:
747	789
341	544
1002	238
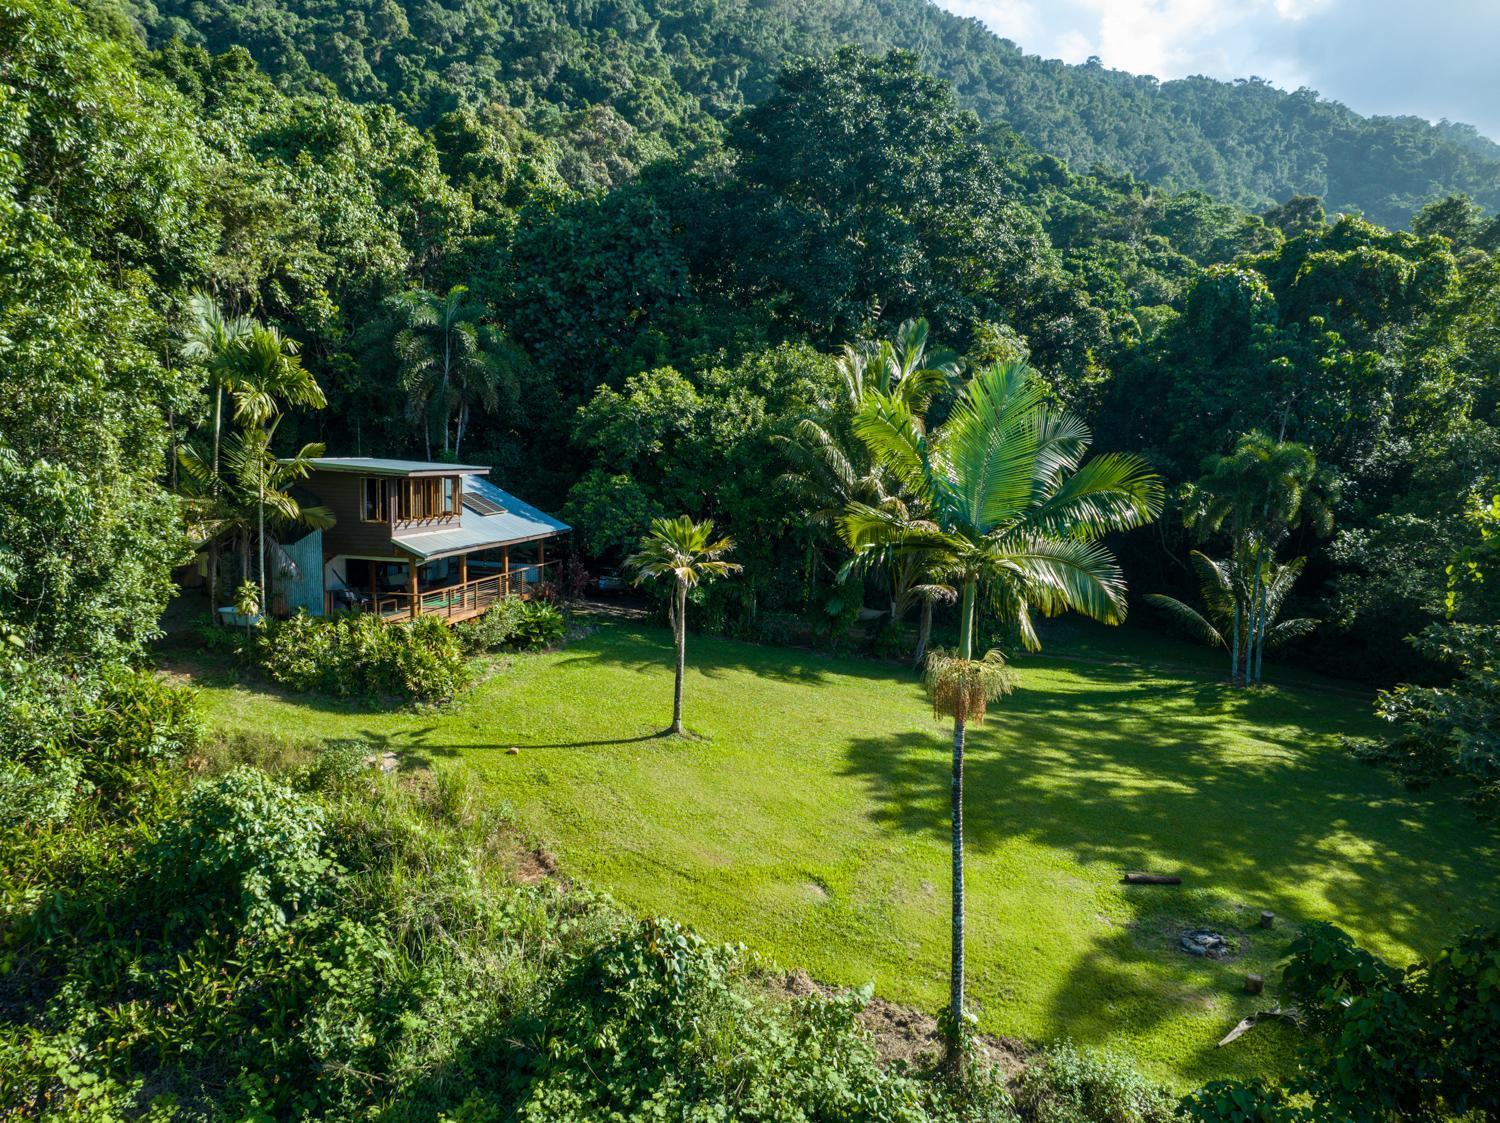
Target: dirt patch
535	864
814	890
903	1035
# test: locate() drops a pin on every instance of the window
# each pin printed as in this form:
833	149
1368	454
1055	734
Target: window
448	492
375	500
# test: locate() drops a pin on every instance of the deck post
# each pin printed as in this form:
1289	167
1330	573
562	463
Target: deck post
505	552
374	587
411	585
463	585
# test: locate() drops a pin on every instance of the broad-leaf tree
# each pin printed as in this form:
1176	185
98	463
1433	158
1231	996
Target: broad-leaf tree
687	553
1015	515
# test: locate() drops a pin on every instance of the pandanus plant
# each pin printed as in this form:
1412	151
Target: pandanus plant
1013	516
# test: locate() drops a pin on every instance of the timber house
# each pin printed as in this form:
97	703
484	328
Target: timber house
415	538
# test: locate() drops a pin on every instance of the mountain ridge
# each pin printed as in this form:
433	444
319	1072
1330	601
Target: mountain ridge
648	76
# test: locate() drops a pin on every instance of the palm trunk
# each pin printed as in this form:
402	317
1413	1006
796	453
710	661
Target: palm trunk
447	368
260	512
924	632
218	426
1234	652
1258	614
681	628
463	423
213	549
1260	646
953	1059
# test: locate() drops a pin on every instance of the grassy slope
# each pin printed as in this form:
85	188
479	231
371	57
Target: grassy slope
810	822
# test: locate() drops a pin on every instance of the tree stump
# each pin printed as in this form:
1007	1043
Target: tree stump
1268	919
1255	984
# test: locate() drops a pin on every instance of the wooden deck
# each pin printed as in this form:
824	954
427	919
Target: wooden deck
460	601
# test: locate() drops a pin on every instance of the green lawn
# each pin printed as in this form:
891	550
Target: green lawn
810	822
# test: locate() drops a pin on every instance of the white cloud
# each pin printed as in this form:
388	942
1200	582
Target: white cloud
1434	58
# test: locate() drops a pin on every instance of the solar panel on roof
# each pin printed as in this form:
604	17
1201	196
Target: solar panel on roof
481	504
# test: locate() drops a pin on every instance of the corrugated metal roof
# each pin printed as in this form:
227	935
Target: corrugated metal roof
378	466
523	513
517	522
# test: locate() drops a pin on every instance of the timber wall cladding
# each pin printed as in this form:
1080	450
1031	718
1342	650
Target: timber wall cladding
343	493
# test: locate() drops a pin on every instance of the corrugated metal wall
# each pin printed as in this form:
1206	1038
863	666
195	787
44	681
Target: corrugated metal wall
305	589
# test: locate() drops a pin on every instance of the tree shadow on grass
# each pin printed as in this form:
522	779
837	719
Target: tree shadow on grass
1244	795
651	650
414	751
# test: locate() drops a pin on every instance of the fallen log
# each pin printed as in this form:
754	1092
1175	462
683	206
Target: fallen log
1151	879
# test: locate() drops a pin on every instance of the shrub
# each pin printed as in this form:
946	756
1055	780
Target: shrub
360	655
1383	1042
657	1024
1451	730
63	736
514	625
245	842
1070	1086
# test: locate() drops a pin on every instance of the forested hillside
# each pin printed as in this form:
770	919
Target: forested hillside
623	81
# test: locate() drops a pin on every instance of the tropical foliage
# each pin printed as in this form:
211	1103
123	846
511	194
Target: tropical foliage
1226	587
362	656
1382	1042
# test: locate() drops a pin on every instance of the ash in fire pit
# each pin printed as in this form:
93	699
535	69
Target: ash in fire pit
1202	942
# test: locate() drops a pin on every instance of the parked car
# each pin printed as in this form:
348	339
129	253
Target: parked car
610	581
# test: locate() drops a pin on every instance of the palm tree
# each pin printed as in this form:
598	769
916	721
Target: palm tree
447	361
831	469
1260	492
212	338
1227	584
251	483
688	553
267	375
1012	511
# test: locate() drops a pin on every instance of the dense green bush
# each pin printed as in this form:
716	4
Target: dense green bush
64	735
245	842
1449	730
359	655
356	949
658	1024
1071	1086
514	625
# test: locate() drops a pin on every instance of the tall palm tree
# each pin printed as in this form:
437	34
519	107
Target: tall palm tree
447	361
687	552
212	338
1014	512
1225	585
250	484
266	376
1260	492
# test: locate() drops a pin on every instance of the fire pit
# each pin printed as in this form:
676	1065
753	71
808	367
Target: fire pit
1204	943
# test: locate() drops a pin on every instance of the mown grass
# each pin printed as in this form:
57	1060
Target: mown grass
809	820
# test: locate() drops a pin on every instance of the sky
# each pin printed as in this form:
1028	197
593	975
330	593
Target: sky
1428	58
